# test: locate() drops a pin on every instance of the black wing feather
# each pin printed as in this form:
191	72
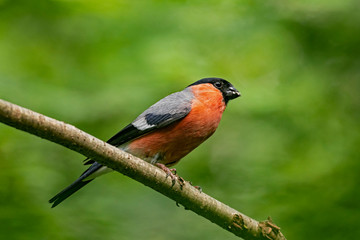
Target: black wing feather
126	134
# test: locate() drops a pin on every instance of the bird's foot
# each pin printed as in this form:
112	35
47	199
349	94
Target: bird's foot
172	174
169	172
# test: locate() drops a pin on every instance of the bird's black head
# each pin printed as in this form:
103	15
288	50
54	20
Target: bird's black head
227	89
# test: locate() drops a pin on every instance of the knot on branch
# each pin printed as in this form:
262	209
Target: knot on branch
269	230
238	222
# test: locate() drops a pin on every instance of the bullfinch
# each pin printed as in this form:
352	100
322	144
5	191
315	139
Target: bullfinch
166	131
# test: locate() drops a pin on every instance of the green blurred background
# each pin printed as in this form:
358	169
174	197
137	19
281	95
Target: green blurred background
288	148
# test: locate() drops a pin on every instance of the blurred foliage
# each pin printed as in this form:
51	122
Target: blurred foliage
288	148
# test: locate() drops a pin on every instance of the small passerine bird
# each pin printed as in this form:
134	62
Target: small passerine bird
166	131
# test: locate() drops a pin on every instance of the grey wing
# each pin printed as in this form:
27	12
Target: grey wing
164	112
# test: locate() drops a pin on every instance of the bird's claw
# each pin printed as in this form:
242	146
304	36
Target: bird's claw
169	172
172	170
181	181
172	174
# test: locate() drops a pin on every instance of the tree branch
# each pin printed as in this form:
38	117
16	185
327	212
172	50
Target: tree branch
151	176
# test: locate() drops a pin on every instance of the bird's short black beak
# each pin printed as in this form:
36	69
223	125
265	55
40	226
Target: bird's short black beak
232	93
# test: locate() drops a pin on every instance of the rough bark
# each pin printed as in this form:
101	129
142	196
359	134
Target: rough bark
151	176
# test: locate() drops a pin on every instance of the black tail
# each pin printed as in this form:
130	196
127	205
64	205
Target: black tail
67	192
75	186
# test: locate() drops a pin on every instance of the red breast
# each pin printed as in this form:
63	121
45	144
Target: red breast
173	142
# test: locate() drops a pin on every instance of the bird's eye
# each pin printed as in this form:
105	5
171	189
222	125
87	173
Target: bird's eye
218	84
